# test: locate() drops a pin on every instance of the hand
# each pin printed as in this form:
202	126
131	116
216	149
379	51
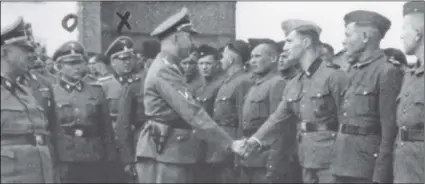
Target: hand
237	147
129	169
250	146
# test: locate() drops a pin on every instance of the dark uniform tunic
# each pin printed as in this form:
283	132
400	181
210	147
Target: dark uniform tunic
261	100
85	137
283	163
314	97
126	110
364	145
409	150
168	146
25	132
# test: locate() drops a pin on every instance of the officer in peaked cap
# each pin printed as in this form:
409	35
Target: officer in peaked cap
86	137
314	154
124	94
409	152
364	145
26	139
168	146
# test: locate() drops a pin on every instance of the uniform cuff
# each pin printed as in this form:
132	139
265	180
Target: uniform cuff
258	141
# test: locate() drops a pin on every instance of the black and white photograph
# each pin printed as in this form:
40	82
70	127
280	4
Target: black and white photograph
212	91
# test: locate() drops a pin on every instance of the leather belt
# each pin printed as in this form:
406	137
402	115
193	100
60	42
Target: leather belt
360	130
23	139
411	135
315	127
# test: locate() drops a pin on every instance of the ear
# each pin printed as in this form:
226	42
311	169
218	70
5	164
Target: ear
306	42
57	66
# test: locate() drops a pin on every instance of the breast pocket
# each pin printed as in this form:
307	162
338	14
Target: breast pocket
113	106
225	104
65	112
365	101
91	107
259	105
293	98
323	102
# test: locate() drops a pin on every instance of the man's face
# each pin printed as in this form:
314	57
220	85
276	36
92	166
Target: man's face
21	57
353	41
327	56
293	48
185	42
73	70
226	60
189	64
283	63
261	60
408	35
208	66
123	66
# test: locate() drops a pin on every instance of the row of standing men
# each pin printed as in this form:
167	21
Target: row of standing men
158	126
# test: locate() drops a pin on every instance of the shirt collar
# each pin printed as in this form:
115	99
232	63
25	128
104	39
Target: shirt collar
69	87
260	79
124	79
313	67
11	86
367	59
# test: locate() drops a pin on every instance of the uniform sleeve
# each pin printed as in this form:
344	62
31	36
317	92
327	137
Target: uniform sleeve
276	94
389	87
193	114
139	106
337	83
108	132
273	126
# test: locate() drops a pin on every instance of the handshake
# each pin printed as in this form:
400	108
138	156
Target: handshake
245	147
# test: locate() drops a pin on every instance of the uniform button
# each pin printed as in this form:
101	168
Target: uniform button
116	137
375	155
302	105
402	143
318	94
345	114
179	138
77	110
304	134
333	134
270	166
365	93
193	131
215	109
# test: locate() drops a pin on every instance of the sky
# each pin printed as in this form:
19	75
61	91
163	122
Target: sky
253	19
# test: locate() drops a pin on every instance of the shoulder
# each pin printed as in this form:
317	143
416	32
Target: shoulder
385	66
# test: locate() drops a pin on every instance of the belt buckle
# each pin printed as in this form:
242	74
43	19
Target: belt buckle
78	132
39	139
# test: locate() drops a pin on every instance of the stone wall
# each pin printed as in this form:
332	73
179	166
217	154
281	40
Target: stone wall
214	20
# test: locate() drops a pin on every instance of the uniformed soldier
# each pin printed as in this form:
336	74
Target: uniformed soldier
328	55
289	172
85	138
168	146
26	151
313	96
367	126
125	98
409	149
212	78
261	100
228	108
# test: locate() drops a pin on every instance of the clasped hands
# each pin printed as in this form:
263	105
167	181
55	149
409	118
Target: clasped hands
245	147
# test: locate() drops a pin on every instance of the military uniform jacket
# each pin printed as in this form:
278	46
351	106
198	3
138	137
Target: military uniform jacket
410	116
126	110
207	92
85	133
314	97
168	101
369	101
260	101
285	150
227	112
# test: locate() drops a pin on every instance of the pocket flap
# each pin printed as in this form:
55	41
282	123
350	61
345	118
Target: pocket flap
365	91
258	97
